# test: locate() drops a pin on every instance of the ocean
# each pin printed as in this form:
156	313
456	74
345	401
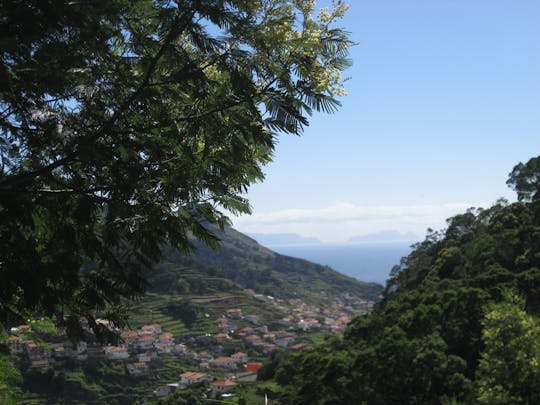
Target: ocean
365	261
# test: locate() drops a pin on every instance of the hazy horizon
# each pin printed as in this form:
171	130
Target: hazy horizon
443	102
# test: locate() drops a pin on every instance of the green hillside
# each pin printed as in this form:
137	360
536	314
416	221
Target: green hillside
242	261
458	322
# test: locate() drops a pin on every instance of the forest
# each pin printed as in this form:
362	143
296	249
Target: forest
458	323
132	127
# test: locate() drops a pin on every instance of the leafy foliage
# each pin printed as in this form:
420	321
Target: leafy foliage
509	368
126	124
439	335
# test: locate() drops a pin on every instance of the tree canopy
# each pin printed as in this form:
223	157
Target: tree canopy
125	124
450	327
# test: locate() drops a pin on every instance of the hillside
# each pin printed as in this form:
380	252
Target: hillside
241	261
458	323
190	298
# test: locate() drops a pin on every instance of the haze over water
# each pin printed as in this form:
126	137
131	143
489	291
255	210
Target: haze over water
364	261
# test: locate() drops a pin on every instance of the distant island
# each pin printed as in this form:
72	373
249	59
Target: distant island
273	239
293	239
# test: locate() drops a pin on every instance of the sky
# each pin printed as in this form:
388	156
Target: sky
443	101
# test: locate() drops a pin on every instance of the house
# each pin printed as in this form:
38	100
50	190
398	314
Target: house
270	337
58	350
298	346
15	344
284	341
240	357
224	362
21	330
307	324
205	356
146	356
287	321
268	348
253	367
248	330
192	377
138	368
180	348
163	390
246	376
129	337
166	337
254	319
253	339
163	348
150	329
221	336
116	352
264	298
77	351
223	386
145	342
38	356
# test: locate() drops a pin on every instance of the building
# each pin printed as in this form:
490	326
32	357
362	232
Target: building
138	368
253	367
116	352
240	357
254	319
223	386
163	390
166	338
153	329
224	362
15	344
145	342
129	337
192	377
38	356
163	348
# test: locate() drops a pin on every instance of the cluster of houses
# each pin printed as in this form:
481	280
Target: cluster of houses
139	347
19	342
237	366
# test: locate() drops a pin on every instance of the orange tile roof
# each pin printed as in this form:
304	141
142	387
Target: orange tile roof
192	375
224	360
239	354
223	383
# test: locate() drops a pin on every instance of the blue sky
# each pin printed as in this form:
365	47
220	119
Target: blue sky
444	99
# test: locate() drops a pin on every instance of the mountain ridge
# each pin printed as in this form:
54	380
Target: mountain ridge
241	260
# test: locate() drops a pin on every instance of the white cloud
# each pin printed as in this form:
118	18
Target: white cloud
340	221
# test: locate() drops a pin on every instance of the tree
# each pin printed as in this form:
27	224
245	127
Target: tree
125	124
525	179
509	368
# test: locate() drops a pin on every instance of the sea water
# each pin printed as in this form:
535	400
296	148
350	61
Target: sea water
364	261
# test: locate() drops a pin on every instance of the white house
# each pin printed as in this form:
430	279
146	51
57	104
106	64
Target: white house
138	368
224	362
116	352
240	357
223	386
192	377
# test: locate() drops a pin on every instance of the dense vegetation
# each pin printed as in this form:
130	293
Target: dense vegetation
125	124
457	321
176	280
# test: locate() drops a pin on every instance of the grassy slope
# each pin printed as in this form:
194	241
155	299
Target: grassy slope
250	265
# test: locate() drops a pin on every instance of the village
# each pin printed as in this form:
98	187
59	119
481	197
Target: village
231	355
